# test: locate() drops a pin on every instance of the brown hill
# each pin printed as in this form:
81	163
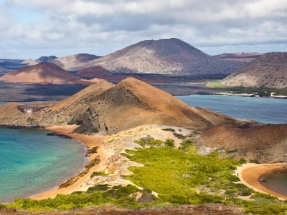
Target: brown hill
111	109
243	56
71	62
43	73
265	143
165	56
269	70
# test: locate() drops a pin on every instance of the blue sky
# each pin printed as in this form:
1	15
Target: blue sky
32	28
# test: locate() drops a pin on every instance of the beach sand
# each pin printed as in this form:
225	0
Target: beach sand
90	142
250	173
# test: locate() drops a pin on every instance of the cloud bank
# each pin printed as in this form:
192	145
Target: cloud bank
30	28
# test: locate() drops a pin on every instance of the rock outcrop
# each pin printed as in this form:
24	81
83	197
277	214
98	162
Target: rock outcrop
268	71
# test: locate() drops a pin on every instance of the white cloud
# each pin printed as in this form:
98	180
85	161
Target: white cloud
104	26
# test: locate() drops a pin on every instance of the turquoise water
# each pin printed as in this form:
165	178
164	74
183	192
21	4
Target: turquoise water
266	110
276	182
32	162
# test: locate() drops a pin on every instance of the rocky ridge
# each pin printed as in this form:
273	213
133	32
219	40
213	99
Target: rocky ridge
165	56
268	71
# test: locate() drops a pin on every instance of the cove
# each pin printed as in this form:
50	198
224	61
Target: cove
276	182
32	162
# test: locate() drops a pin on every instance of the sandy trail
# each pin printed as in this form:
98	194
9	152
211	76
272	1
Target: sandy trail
90	142
250	173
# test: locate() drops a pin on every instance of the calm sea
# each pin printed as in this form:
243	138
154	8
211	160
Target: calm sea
266	110
276	182
32	162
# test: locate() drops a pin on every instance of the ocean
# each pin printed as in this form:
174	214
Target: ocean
266	110
32	162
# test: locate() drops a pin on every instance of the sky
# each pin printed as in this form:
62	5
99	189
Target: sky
33	28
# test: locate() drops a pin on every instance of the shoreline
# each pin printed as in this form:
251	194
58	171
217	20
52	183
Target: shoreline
79	179
250	173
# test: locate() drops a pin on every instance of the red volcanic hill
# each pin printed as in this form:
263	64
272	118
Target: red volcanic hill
42	73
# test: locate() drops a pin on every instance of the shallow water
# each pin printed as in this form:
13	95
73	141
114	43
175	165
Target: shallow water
266	110
276	182
32	162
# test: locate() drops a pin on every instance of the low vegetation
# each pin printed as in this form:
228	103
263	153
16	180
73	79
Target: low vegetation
261	92
177	175
99	174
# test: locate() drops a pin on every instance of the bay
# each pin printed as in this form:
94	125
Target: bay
32	162
276	182
266	110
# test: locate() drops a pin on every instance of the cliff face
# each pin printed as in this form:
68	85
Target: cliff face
269	70
166	56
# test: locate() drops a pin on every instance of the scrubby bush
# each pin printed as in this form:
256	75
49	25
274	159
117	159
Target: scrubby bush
168	129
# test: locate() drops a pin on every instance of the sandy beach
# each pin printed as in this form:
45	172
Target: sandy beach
249	174
90	142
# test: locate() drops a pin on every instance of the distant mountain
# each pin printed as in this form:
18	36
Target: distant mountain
47	58
71	62
269	70
165	56
94	72
44	73
243	56
31	62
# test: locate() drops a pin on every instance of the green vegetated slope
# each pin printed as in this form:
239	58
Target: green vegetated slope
177	175
260	91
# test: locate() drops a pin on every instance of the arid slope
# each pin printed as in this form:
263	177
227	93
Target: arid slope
269	70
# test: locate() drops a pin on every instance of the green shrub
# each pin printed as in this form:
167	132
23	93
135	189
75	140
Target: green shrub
168	129
179	136
99	174
232	150
99	187
70	122
95	130
2	206
242	160
169	143
93	150
254	161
